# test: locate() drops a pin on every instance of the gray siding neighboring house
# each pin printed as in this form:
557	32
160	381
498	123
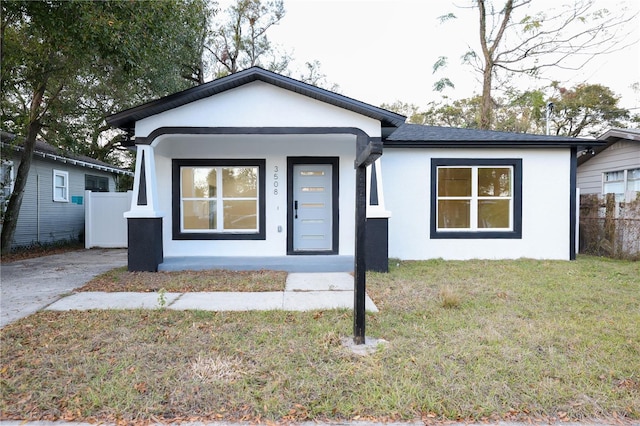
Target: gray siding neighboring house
53	205
614	168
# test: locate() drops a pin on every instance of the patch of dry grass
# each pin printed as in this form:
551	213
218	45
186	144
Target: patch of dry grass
529	340
187	281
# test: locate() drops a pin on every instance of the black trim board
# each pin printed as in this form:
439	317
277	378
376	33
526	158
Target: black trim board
516	233
177	233
573	203
142	184
335	192
186	130
503	144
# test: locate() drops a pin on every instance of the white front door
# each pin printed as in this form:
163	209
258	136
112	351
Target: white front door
312	207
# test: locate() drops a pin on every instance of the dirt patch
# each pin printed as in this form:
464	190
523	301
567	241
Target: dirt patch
120	279
39	251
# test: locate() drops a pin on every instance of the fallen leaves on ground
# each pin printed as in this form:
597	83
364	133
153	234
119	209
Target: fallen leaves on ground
121	280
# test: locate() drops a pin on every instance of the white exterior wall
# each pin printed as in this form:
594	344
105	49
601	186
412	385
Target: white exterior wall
275	150
619	156
258	104
254	105
545	206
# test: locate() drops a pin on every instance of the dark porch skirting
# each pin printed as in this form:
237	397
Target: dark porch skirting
252	263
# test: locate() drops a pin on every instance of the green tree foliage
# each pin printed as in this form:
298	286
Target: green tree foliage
587	109
66	64
239	38
516	40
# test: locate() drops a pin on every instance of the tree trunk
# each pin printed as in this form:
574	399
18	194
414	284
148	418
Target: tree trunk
486	108
15	201
489	48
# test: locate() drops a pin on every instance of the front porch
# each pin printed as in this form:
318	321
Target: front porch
301	263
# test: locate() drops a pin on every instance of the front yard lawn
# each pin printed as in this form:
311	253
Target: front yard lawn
476	340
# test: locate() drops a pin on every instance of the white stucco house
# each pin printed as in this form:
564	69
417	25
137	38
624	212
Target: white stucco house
256	165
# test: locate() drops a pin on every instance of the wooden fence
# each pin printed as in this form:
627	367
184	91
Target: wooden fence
610	228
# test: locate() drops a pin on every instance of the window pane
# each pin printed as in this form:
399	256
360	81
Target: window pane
60	194
198	182
614	188
454	214
633	180
614	176
494	182
493	214
59	180
454	182
199	215
239	182
240	214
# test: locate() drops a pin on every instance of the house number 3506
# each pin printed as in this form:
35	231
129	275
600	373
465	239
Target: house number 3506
275	180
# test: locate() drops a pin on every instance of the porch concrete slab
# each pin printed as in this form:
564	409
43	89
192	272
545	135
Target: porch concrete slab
298	263
316	300
104	300
330	281
229	301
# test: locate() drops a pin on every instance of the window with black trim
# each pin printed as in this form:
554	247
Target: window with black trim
476	198
219	199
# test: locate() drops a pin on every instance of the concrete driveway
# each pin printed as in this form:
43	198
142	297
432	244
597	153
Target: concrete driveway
32	284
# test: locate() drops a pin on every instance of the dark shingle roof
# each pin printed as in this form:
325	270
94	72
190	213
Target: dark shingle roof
45	150
416	135
126	119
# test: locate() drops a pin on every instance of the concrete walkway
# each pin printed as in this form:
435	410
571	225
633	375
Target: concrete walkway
30	285
303	292
47	282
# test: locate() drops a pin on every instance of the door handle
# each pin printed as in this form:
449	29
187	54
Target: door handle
295	208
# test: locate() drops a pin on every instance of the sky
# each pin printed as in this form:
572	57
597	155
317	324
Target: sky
382	51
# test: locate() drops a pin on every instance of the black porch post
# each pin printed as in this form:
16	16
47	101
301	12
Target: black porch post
368	150
359	258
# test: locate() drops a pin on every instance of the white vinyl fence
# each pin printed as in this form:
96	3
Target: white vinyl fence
104	223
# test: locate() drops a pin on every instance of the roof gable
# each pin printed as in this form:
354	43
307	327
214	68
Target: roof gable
256	105
609	138
126	119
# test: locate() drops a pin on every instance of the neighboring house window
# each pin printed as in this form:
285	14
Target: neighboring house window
621	181
479	198
60	186
96	183
633	180
6	183
219	199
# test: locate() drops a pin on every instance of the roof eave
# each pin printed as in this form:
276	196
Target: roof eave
580	144
616	134
126	119
71	161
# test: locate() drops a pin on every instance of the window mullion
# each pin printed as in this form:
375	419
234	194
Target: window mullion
219	200
474	199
